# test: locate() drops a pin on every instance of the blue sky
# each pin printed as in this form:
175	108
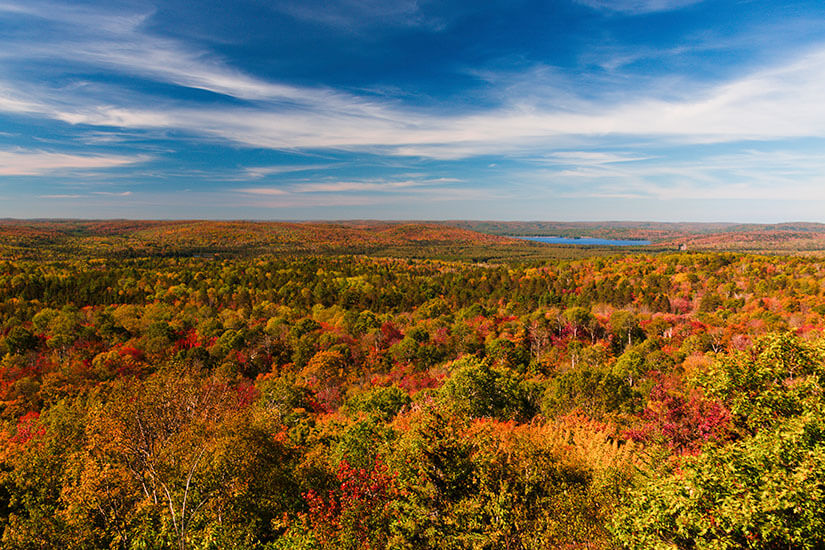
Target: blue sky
669	110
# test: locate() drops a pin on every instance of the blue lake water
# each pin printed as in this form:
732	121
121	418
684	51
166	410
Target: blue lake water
586	241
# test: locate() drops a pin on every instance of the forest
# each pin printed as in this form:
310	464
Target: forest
183	397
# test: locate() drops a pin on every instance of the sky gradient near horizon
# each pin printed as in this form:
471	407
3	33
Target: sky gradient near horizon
665	110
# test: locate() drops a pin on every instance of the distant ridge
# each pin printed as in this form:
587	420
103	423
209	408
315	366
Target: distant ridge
460	239
130	238
651	231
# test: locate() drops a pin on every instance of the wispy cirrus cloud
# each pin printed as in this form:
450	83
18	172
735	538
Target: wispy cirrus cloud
265	191
113	193
745	174
783	101
11	104
590	158
20	162
85	195
258	172
635	7
371	186
355	15
118	42
341	195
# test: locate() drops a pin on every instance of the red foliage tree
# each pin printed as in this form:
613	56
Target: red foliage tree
684	423
358	512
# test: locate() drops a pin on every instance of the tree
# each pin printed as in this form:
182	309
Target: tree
149	452
580	319
764	490
782	376
478	390
19	340
625	327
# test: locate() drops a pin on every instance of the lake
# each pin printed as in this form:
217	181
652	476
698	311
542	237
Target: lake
585	241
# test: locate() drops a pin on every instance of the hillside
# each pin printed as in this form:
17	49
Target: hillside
120	238
66	239
454	240
784	238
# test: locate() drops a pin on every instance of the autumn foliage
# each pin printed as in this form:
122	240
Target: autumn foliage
325	401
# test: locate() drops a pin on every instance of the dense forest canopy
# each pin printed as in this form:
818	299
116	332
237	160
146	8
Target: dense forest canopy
351	401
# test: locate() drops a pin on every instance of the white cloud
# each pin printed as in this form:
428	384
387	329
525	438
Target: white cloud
263	191
112	193
78	15
10	103
340	197
354	15
21	162
776	103
638	6
590	157
118	42
258	172
86	195
372	186
750	174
